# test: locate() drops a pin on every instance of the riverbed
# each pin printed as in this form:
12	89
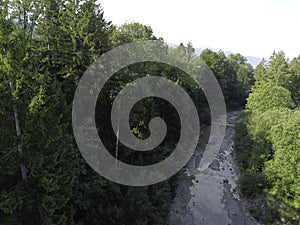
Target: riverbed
211	197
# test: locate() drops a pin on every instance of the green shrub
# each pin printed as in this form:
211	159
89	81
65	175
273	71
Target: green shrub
252	183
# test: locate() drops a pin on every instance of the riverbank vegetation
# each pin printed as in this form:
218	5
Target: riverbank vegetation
268	142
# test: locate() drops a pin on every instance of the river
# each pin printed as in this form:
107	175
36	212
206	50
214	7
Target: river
211	197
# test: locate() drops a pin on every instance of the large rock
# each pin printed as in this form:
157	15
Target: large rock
215	165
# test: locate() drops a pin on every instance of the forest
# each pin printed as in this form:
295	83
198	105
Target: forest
45	48
267	141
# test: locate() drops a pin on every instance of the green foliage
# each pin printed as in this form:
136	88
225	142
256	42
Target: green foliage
233	73
243	143
130	32
283	170
267	140
266	96
45	47
276	71
252	183
244	71
294	81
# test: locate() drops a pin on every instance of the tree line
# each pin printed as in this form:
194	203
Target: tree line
45	48
267	141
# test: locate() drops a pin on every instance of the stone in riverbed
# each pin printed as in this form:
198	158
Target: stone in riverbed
215	165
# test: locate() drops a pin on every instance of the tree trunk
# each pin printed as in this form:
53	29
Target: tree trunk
18	131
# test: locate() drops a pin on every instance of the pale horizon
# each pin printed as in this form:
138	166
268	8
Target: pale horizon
252	28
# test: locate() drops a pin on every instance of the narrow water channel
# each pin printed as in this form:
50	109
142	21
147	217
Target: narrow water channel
211	197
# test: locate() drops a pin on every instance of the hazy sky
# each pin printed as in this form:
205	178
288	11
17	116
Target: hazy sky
250	27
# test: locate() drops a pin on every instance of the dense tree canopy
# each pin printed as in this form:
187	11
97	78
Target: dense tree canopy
267	141
45	47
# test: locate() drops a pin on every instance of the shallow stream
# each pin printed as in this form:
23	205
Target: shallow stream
211	197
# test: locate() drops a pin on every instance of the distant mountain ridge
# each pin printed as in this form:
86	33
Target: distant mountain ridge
254	61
